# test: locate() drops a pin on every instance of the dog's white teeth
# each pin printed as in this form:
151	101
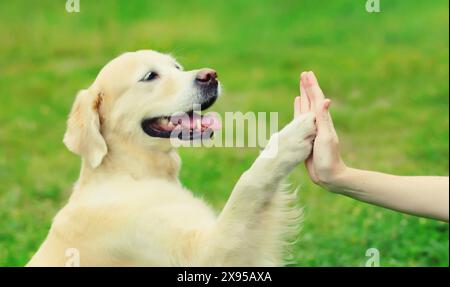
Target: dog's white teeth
198	124
164	121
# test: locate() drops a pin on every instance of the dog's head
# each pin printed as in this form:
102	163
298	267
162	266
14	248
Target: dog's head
144	97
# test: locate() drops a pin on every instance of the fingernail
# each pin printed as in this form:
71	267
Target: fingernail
303	75
305	79
326	105
312	77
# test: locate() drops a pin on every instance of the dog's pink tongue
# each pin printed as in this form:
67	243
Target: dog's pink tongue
190	122
211	121
195	121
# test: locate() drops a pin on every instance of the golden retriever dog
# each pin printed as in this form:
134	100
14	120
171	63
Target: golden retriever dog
128	207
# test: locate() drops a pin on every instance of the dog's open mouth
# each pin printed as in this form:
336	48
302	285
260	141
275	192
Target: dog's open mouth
185	126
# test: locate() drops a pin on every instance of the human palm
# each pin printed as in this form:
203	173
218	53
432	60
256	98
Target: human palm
325	162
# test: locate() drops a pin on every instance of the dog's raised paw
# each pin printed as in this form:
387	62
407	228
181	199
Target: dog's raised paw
294	141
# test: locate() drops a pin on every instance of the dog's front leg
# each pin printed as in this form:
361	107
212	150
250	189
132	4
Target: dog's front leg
240	229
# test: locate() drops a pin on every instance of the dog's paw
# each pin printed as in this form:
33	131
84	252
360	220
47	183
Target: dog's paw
297	137
293	143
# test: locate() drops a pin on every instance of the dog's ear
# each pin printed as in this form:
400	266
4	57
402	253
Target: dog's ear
83	135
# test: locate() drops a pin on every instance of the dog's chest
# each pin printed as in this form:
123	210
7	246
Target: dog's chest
141	225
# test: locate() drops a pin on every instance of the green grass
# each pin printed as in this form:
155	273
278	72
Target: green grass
387	74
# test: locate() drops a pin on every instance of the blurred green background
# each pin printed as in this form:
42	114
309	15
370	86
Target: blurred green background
387	74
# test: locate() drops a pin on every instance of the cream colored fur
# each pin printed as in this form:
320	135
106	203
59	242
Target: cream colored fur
128	207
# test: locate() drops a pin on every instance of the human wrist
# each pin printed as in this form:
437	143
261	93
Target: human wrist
337	180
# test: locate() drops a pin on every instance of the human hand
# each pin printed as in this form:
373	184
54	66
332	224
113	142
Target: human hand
324	165
425	196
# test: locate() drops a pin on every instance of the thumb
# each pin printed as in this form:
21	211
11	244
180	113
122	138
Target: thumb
326	122
324	114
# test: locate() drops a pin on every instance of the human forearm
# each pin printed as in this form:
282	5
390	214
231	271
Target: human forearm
426	196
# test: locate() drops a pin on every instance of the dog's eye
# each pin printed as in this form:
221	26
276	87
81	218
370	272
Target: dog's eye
149	76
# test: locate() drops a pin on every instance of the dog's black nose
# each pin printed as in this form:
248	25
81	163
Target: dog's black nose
206	76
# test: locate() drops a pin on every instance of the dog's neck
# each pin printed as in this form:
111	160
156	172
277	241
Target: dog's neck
125	158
